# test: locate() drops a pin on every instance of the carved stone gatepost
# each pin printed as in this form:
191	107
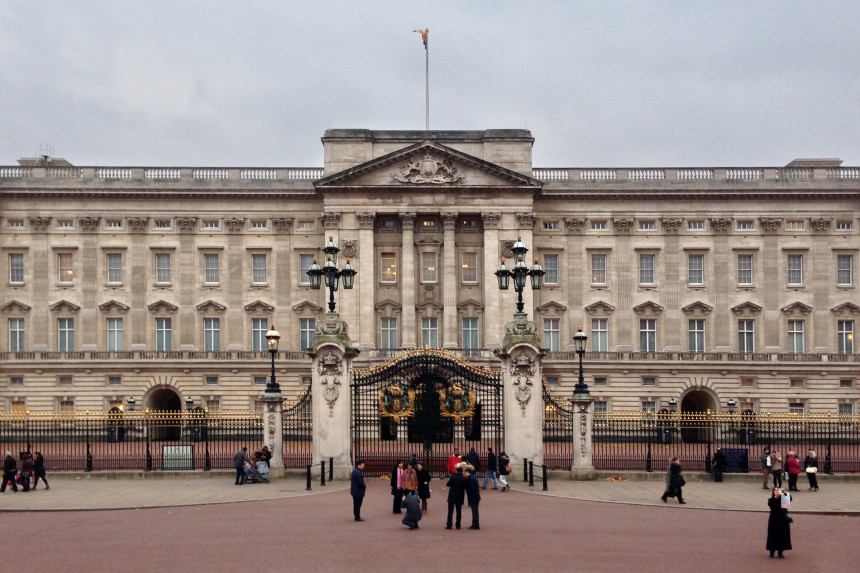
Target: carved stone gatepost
521	378
583	412
273	431
332	355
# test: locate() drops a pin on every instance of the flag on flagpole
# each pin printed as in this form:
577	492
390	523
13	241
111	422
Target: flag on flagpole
424	34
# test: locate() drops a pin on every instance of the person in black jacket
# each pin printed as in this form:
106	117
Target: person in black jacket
39	470
473	493
674	481
456	494
424	478
10	468
778	525
413	510
492	468
357	488
473	459
719	464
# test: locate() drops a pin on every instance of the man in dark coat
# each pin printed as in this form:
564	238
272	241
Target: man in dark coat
492	468
473	493
719	464
412	505
674	481
239	463
473	459
10	468
456	494
357	488
39	470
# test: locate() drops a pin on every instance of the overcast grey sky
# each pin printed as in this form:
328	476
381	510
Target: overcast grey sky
599	84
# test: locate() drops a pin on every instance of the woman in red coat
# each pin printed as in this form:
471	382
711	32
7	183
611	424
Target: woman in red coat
792	466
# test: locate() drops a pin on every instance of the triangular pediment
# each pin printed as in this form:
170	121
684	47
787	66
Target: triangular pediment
551	307
470	305
747	307
846	308
259	306
797	307
306	306
599	306
64	306
113	306
426	164
388	304
211	306
15	306
697	306
648	306
428	304
162	306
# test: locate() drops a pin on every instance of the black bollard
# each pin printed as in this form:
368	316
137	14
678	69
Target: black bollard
525	470
544	478
331	469
322	472
531	474
309	478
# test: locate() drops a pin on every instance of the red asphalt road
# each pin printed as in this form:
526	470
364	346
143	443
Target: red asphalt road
519	532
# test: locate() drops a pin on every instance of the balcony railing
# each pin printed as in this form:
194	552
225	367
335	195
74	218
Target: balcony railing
693	174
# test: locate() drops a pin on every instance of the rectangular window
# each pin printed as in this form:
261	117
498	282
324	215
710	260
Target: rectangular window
210	224
745	269
19	407
259	328
259	270
260	380
65	380
746	336
844	334
598	225
67	406
114	268
307	225
428	267
470	268
648	335
843	225
213	404
550	267
600	407
430	332
795	270
600	380
649	407
258	224
307	330
427	224
16	335
551	334
647	225
846	383
163	334
113	224
210	268
599	334
646	269
65	224
388	268
598	269
115	380
697	335
212	380
162	268
695	225
795	383
846	409
795	408
696	269
794	225
19	224
388	333
649	381
16	267
550	225
747	382
114	335
305	262
162	223
552	380
66	267
66	334
745	225
212	334
16	381
795	337
470	333
844	270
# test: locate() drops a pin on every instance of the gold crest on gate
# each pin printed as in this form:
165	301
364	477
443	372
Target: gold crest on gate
396	403
454	402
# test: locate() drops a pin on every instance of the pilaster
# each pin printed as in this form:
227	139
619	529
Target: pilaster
273	431
450	275
407	293
492	324
583	465
366	280
521	379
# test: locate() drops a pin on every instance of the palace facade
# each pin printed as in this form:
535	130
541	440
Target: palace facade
695	286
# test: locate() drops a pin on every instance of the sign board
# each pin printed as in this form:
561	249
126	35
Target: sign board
177	457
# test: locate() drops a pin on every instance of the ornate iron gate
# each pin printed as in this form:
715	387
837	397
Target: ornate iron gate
424	402
297	421
557	431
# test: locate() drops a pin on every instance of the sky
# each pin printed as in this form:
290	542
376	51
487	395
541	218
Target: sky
244	83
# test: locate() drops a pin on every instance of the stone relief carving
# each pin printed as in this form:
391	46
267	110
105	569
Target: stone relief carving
721	224
428	170
234	224
407	220
365	220
186	224
449	220
575	224
350	248
89	223
491	220
521	325
40	223
282	224
330	368
623	225
526	220
522	370
137	224
505	248
672	225
330	220
770	224
820	224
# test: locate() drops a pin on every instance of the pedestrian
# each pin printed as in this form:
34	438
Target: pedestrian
39	470
10	469
473	495
424	478
456	494
810	464
719	464
792	466
504	470
453	460
674	481
473	460
410	478
776	468
239	463
414	461
27	466
492	468
356	489
765	467
413	510
397	485
778	524
266	456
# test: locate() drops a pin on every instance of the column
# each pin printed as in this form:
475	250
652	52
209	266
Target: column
583	466
273	431
366	267
450	274
491	328
407	292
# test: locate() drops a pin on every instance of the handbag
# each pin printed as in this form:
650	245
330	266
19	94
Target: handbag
789	519
811	470
508	468
785	476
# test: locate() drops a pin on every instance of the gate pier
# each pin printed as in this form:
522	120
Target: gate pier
273	431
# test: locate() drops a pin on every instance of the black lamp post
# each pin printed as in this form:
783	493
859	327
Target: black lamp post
731	404
131	404
188	403
520	272
272	338
579	340
673	404
331	273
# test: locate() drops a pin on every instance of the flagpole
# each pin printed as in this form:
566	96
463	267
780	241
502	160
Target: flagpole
427	82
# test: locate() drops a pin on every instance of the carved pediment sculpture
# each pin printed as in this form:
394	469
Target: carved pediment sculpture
428	170
522	371
330	369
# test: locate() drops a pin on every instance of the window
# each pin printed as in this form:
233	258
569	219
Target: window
795	382
388	268
795	408
794	225
795	270
428	267
697	335
16	267
469	223
696	269
600	380
846	383
470	333
114	334
427	224
649	406
647	225
114	268
210	268
598	225
387	224
67	406
746	336
65	224
599	334
846	409
840	225
163	334
550	266
66	267
259	328
306	380
747	382
649	381
600	407
648	335
307	330
115	380
844	270
19	224
16	335
65	380
306	225
430	332
212	380
260	380
552	380
795	337
695	225
162	223
213	404
844	335
113	224
305	262
745	225
211	334
259	271
162	268
550	225
551	334
646	269
388	331
470	268
66	335
16	380
258	224
210	224
745	269
598	269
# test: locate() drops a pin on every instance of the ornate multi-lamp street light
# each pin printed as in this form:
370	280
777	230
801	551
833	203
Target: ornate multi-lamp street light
331	273
519	273
673	403
731	404
579	340
272	338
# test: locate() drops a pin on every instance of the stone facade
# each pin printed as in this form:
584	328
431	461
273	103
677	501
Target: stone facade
693	284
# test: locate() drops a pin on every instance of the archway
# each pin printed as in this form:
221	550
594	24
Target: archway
164	399
166	426
696	402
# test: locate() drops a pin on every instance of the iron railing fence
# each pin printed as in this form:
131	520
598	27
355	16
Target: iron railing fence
298	436
557	430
